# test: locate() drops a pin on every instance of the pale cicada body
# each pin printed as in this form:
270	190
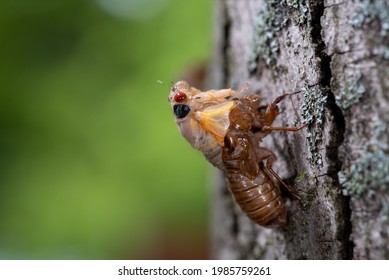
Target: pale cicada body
202	118
227	127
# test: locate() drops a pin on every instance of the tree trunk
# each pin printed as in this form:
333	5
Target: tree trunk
335	56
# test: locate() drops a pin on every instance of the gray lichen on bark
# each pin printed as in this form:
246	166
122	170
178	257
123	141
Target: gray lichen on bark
340	164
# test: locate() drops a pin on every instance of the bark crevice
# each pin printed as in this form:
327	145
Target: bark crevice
337	129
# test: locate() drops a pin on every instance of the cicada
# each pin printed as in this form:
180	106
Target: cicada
227	127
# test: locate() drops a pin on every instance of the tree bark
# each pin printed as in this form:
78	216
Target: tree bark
335	56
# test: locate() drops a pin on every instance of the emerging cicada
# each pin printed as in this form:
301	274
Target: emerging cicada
228	130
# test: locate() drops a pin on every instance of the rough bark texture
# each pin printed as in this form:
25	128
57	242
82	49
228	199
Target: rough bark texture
335	55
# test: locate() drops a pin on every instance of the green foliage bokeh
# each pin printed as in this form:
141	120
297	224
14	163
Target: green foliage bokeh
92	165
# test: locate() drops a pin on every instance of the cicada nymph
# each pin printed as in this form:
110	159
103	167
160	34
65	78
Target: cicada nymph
227	127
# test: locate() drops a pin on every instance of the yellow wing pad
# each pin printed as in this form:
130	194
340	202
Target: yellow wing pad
215	120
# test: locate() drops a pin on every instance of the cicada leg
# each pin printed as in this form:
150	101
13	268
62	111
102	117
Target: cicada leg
284	128
270	157
272	110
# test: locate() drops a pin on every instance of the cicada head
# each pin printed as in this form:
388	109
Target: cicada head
179	98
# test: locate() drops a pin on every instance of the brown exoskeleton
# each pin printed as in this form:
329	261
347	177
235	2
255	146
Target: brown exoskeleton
228	131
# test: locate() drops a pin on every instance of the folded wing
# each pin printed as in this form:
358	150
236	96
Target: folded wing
215	119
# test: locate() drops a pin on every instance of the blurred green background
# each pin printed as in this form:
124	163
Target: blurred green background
92	165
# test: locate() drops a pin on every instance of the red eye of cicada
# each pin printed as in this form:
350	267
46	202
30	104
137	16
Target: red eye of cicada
180	97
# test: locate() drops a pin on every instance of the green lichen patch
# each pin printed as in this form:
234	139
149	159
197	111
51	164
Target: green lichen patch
351	92
264	42
369	173
382	52
301	176
312	112
370	11
299	11
270	20
305	175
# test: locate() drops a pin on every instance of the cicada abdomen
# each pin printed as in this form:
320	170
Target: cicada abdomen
259	198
